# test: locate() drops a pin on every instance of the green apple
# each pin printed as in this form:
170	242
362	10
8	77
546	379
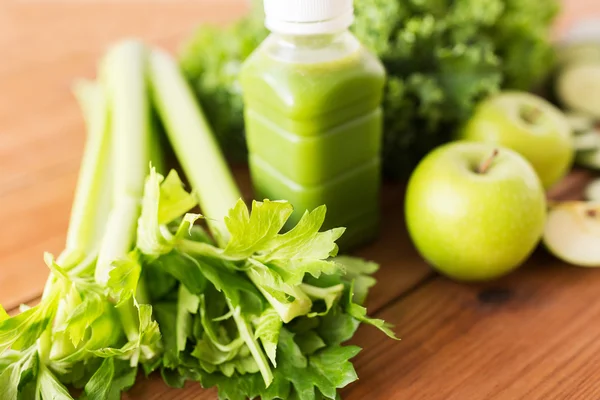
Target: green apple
529	125
475	211
573	232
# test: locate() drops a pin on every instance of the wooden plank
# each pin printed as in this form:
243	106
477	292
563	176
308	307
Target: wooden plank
531	335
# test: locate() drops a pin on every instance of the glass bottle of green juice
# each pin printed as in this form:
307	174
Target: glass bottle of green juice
312	97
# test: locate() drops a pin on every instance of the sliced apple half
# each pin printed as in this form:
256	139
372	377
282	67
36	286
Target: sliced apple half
578	87
585	141
580	123
592	190
578	52
573	233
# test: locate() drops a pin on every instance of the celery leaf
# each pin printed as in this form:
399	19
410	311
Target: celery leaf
360	271
304	241
309	342
3	314
267	330
49	387
174	199
100	384
326	371
22	330
184	268
329	296
166	314
9	382
253	232
187	305
150	237
92	307
337	326
360	313
164	200
124	277
147	344
291	255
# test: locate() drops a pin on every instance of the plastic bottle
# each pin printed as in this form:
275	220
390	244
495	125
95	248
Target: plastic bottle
312	97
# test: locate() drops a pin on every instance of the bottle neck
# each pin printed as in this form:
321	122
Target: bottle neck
310	48
315	41
329	27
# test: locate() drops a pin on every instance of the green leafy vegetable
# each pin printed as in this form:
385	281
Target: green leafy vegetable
9	382
268	327
187	306
22	330
124	278
3	314
360	314
296	272
99	386
48	386
144	345
245	306
89	309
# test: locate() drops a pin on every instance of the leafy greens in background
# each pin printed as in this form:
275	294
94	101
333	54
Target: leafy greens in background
441	56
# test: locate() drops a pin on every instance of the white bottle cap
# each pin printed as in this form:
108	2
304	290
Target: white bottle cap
308	17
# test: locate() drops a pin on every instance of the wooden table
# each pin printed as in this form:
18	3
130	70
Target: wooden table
532	335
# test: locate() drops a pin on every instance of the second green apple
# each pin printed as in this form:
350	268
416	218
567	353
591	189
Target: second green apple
529	125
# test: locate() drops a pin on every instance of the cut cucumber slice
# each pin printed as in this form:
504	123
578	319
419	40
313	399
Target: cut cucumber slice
580	123
578	88
592	190
589	140
589	159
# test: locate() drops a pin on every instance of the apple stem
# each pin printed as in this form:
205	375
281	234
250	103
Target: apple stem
530	114
592	213
485	165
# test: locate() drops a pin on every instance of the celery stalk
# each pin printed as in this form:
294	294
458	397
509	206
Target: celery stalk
247	335
123	74
196	148
157	156
204	164
202	159
91	201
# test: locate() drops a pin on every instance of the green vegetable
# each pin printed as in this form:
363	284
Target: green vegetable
89	331
441	59
240	335
243	307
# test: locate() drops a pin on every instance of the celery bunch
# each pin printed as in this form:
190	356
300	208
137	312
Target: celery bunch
79	334
245	307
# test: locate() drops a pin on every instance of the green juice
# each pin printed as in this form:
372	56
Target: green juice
314	128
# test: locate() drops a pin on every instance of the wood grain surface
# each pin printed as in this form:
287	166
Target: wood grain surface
531	335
